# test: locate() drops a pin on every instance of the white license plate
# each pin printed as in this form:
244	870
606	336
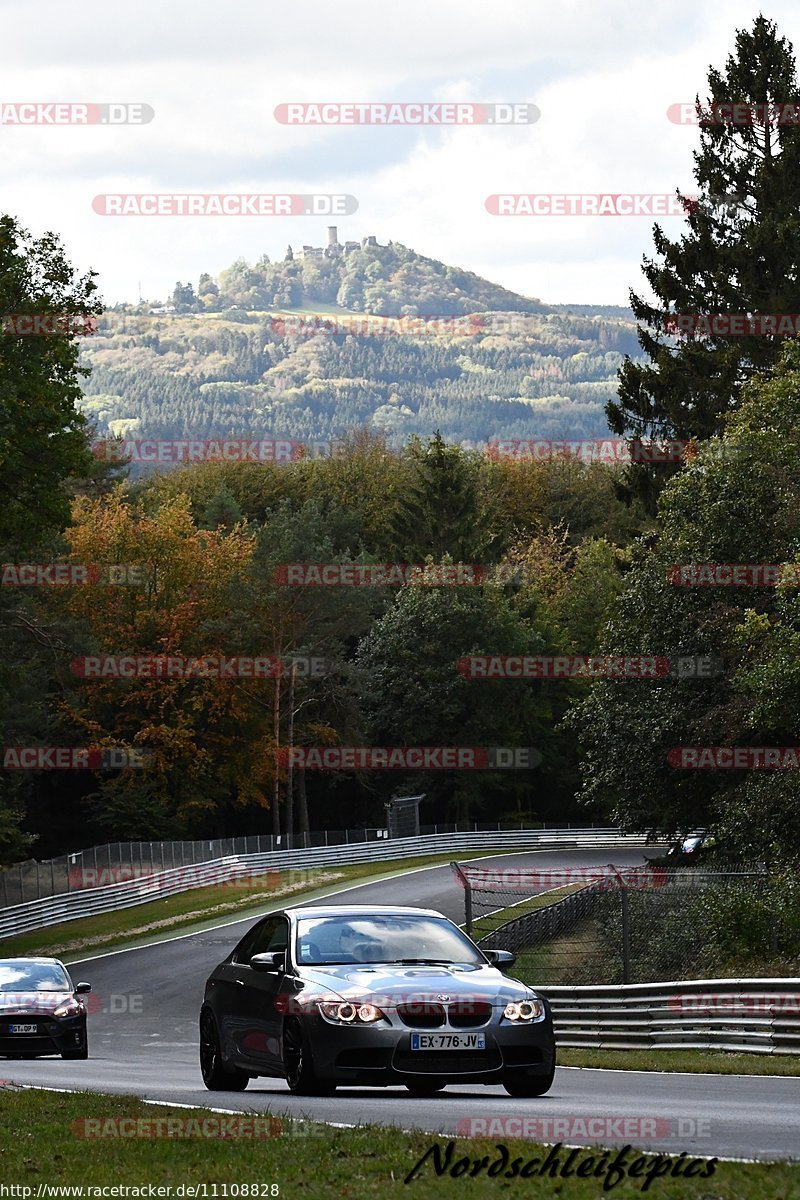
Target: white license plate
22	1029
448	1041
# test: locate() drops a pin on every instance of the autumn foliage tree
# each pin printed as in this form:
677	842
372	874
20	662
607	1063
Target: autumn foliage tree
200	734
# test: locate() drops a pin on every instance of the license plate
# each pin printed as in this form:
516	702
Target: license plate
448	1041
22	1029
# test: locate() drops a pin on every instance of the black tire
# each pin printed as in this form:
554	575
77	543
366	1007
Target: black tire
298	1063
217	1075
425	1087
522	1083
78	1052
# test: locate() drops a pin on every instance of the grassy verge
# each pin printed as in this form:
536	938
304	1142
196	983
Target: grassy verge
202	905
488	924
718	1062
563	959
42	1145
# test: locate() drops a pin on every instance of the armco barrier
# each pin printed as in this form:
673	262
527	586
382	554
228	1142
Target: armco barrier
551	921
758	1016
113	862
53	910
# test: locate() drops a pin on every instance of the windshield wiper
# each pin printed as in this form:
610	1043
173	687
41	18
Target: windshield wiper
425	962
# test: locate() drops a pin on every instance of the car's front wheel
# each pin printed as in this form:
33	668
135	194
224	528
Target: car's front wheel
425	1087
217	1075
298	1063
78	1051
523	1083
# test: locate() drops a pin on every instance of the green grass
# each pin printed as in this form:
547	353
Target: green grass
561	958
200	906
717	1062
311	310
39	1147
488	924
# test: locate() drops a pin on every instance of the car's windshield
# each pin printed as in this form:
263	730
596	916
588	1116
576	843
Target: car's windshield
16	976
382	939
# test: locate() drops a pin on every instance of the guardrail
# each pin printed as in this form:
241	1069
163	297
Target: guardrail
115	862
53	910
543	923
759	1016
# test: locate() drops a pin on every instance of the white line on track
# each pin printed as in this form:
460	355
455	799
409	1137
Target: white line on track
238	1112
338	892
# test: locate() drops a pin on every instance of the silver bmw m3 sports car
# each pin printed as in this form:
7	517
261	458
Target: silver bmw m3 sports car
337	995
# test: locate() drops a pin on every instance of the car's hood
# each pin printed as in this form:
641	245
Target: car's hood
396	984
32	1002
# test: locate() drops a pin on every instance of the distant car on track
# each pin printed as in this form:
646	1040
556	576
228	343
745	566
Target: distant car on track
692	848
40	1009
335	995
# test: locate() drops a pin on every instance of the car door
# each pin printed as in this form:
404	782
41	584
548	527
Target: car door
259	1021
225	992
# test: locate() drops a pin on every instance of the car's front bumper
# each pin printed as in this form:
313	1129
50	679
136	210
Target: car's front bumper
53	1035
382	1054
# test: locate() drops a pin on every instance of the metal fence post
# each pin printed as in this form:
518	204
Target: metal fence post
465	883
626	938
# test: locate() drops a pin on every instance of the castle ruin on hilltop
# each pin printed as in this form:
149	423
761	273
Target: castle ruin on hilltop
334	248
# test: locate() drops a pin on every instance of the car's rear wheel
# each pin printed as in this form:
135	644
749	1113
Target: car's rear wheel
298	1063
217	1075
425	1087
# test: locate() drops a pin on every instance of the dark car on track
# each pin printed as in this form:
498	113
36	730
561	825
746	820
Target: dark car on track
335	995
40	1009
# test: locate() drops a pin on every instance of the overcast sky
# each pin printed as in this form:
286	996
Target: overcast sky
602	75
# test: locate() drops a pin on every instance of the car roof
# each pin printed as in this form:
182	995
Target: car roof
362	910
20	959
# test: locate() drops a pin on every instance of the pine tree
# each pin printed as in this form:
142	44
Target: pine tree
439	511
736	258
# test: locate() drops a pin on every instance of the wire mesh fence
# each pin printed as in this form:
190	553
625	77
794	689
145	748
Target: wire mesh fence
115	862
605	925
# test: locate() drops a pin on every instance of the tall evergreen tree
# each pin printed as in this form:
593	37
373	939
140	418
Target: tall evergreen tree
44	455
440	512
742	257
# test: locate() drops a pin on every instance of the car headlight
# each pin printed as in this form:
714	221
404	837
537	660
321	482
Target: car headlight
345	1013
70	1008
524	1010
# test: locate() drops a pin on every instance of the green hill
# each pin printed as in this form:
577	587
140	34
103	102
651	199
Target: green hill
216	360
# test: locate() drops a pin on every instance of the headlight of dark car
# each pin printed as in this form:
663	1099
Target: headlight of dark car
70	1008
524	1010
345	1013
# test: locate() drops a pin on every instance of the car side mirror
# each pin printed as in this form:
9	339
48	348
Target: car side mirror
501	958
272	961
80	988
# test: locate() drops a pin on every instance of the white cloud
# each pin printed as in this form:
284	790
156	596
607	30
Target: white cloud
602	75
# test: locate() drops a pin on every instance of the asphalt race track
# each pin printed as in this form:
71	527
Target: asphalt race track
143	1041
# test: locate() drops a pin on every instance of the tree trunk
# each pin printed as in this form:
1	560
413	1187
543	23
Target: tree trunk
302	806
290	765
276	727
